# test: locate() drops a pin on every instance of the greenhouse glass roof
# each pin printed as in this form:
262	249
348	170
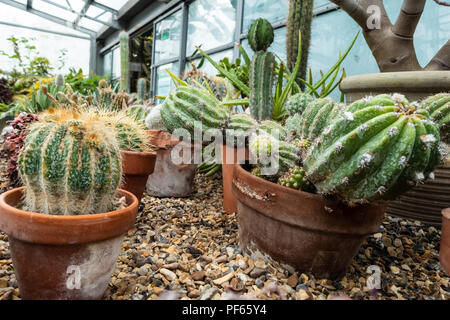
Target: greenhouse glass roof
85	16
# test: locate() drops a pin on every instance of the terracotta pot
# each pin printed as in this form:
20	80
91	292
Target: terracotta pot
426	201
415	85
64	257
301	229
444	254
136	167
169	179
229	159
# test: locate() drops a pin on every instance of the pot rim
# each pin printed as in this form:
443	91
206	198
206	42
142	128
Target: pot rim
446	213
59	229
397	80
139	153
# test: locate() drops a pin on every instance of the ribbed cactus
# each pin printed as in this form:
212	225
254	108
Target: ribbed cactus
262	70
438	106
217	85
142	89
295	178
59	80
317	115
120	101
273	128
136	112
189	104
70	165
267	150
299	21
153	120
124	61
297	103
376	149
105	97
242	122
260	35
130	133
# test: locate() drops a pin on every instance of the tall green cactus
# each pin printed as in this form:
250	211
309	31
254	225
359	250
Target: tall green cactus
70	165
124	61
376	149
299	21
142	89
262	70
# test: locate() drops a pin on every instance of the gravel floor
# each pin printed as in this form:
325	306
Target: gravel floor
188	249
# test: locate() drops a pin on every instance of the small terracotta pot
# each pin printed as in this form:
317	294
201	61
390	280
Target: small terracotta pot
169	179
64	257
301	229
444	254
136	167
229	200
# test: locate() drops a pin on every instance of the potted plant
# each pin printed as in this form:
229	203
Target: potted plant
168	179
66	225
362	156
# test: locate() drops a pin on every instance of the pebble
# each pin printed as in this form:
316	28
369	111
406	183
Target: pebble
199	275
208	293
170	275
256	272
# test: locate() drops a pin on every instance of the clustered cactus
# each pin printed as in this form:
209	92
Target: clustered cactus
70	164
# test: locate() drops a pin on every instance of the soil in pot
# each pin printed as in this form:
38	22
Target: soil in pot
136	167
169	179
304	230
64	257
444	254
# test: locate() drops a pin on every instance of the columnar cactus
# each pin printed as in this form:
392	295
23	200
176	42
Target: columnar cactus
262	70
153	120
70	165
124	61
242	122
273	128
438	106
299	21
59	80
188	104
217	85
374	150
142	89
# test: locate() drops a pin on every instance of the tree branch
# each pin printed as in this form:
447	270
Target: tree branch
354	10
441	61
409	17
442	3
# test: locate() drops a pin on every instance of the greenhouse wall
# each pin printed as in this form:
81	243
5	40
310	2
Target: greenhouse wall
217	25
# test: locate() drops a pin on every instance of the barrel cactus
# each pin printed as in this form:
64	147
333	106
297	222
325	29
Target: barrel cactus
376	149
297	103
153	120
187	105
70	165
438	106
137	112
260	35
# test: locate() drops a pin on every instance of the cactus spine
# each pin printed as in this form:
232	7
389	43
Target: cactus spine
299	20
142	89
374	151
262	70
70	165
124	61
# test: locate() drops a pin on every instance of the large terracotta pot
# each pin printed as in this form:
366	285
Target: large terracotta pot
444	254
424	202
415	85
136	167
169	179
64	257
229	159
301	229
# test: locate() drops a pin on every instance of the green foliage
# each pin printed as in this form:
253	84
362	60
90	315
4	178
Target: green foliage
81	83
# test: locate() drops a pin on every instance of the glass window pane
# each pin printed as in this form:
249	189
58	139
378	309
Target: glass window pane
116	63
211	24
115	4
164	83
107	66
319	3
207	67
271	10
278	46
168	37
